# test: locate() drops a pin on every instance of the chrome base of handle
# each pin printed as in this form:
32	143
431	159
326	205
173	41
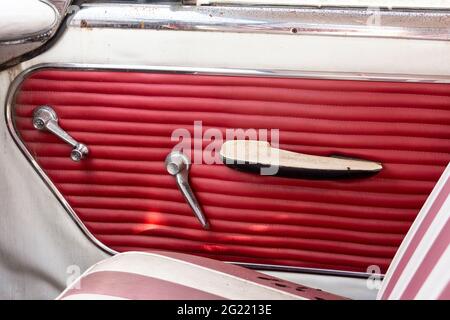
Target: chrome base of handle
43	115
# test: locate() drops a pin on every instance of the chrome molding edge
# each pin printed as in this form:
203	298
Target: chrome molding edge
317	271
358	22
12	130
9	108
335	3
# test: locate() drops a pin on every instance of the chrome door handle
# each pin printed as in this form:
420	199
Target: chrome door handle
45	118
177	164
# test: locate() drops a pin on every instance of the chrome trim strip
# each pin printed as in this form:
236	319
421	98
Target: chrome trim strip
189	70
359	22
436	4
318	271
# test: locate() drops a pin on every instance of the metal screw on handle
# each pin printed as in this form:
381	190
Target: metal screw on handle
177	164
79	152
46	119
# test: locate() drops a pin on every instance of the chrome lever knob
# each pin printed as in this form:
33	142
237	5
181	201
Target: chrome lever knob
46	119
177	165
79	152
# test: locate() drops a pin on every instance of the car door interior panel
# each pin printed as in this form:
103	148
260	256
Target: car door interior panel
122	194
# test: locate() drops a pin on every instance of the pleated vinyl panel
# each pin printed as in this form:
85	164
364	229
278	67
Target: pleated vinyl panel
125	197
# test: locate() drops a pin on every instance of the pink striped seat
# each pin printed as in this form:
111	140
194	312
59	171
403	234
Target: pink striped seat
420	269
174	276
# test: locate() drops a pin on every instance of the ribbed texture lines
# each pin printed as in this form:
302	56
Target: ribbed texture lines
127	200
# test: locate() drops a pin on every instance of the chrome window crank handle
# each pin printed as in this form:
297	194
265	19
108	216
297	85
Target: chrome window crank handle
177	164
45	118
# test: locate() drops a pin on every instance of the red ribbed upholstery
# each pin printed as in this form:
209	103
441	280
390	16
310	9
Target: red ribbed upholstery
127	200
